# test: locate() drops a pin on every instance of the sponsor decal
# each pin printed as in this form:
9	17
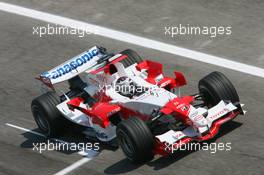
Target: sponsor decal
220	113
72	65
178	135
176	103
165	83
198	117
184	108
180	106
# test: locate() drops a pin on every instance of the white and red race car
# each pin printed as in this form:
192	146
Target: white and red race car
121	96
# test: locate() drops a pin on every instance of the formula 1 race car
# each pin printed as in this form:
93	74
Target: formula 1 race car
121	96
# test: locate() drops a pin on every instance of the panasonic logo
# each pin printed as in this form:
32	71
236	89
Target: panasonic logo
74	64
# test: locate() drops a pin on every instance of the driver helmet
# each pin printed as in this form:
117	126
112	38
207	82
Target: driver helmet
125	86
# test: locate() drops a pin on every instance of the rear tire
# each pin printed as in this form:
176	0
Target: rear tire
132	58
135	139
48	118
216	87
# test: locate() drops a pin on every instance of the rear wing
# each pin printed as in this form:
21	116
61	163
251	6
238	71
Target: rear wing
69	69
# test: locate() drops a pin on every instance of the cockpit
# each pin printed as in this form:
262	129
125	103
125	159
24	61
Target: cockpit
125	86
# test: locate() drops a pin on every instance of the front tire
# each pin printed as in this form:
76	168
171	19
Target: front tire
135	139
216	87
47	116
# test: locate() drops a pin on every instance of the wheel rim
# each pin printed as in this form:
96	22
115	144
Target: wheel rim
126	144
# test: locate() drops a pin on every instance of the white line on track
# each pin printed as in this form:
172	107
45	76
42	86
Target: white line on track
73	166
88	155
34	132
133	39
26	130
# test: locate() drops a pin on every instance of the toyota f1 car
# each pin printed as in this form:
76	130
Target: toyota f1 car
118	95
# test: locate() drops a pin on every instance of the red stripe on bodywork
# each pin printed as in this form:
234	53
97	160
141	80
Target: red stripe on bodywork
106	67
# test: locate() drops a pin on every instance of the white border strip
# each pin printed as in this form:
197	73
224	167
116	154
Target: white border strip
133	39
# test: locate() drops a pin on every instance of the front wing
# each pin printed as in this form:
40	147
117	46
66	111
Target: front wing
217	116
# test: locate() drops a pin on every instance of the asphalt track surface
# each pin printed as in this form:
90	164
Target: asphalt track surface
23	56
